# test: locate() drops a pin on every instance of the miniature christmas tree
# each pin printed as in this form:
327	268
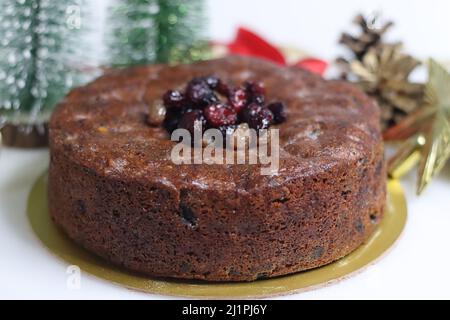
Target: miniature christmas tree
156	31
36	55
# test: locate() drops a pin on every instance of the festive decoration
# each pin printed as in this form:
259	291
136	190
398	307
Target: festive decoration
248	43
314	65
37	49
370	37
384	74
416	113
383	71
156	31
430	144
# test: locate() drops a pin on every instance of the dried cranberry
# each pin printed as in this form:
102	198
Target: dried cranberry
199	93
173	117
238	99
257	116
279	111
173	99
255	87
192	120
171	120
255	91
223	88
220	114
227	130
257	99
199	105
212	81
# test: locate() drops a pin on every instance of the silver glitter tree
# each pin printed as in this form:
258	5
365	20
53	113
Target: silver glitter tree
38	48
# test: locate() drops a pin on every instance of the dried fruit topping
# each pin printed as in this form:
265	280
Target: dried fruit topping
238	99
255	91
200	93
255	87
257	116
212	81
241	136
220	114
171	120
227	131
223	88
156	113
174	99
279	111
199	105
192	120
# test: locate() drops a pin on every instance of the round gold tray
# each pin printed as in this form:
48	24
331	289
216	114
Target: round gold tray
382	239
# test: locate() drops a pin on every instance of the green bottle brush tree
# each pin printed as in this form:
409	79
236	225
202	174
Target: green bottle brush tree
156	31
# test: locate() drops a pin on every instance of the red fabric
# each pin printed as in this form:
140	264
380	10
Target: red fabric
248	43
313	65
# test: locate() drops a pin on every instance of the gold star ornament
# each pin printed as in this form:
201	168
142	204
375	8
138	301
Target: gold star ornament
428	130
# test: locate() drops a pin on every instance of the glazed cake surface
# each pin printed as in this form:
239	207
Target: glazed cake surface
114	190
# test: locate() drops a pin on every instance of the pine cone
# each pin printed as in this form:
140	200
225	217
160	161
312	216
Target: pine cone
370	37
384	74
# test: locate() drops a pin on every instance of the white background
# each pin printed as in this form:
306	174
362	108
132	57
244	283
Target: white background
423	25
417	267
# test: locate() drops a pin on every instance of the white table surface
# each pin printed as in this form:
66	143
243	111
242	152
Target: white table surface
417	267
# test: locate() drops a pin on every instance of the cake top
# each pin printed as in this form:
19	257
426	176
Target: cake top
104	127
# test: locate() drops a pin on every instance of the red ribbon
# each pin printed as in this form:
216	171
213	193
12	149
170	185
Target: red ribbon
248	43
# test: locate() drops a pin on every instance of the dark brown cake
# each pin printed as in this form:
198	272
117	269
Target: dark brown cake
114	189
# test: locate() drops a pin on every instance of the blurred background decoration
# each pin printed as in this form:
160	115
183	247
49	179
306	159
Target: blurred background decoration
382	69
248	43
416	114
426	132
44	45
39	45
156	31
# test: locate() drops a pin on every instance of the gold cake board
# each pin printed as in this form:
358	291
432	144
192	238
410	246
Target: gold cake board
382	239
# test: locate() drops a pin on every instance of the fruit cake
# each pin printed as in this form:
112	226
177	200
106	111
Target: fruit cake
115	191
